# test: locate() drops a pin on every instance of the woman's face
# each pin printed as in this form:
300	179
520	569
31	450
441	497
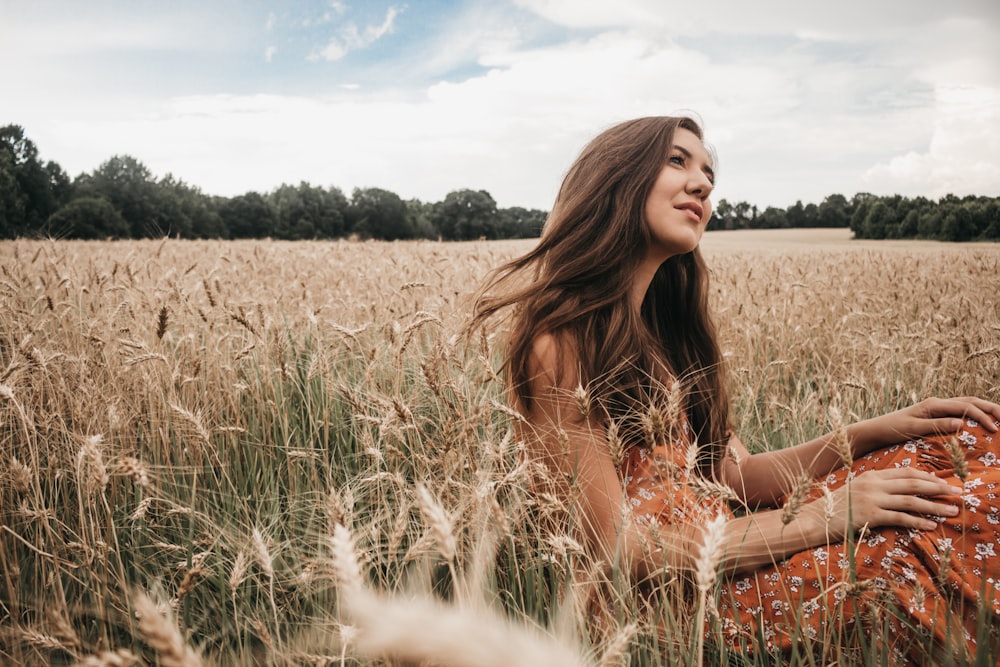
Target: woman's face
678	207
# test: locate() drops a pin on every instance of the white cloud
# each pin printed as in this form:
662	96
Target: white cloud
351	38
48	30
332	52
269	53
844	20
963	156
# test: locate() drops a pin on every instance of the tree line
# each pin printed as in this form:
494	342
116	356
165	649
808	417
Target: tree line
122	199
951	218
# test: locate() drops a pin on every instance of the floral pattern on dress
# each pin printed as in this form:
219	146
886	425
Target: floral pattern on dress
935	581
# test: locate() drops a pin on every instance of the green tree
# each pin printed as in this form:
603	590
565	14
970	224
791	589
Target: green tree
421	216
88	218
187	211
129	186
877	222
795	215
834	211
929	223
810	215
991	214
466	215
908	228
745	216
248	216
964	221
722	216
380	214
860	204
520	223
306	211
29	191
12	201
772	218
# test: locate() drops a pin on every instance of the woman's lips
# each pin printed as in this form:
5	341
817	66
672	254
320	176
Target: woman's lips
693	210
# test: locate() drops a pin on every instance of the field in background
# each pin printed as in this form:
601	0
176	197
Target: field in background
188	428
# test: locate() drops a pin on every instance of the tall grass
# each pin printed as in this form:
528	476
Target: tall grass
187	427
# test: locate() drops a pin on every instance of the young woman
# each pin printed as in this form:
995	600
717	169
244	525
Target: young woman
614	364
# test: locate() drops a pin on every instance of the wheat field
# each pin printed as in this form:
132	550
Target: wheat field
286	454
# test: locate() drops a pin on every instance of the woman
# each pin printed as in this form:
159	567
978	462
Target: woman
614	364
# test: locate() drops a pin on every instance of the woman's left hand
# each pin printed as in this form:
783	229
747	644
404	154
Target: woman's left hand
931	416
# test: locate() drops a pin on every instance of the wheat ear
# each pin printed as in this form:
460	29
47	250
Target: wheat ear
958	461
706	570
162	635
120	658
421	631
796	499
345	560
439	522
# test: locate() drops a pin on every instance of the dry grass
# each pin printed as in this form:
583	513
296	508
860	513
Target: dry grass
207	419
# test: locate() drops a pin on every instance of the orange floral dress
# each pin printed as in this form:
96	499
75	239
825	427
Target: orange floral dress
914	591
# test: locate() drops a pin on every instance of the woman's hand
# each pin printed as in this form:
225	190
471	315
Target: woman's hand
932	416
903	497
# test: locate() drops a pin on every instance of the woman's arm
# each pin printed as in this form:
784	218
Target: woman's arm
762	479
580	467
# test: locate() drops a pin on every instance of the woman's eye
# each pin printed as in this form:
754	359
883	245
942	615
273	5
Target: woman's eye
677	159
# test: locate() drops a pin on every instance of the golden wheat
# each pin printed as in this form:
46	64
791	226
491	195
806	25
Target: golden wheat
255	400
163	636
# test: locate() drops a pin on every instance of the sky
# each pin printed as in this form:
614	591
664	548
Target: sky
799	100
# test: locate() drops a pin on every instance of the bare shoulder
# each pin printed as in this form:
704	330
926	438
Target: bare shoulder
552	362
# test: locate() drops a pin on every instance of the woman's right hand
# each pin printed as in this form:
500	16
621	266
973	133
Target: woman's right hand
902	497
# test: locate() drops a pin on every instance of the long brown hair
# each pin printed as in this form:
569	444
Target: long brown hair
575	285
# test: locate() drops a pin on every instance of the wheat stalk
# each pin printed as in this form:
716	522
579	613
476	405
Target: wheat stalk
840	440
616	444
958	462
92	474
797	498
195	420
707	489
440	523
162	635
582	399
261	553
41	640
189	581
239	572
20	476
120	658
616	651
654	425
345	560
134	468
421	630
710	552
162	320
706	568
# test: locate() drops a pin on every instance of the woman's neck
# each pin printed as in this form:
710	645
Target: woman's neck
641	282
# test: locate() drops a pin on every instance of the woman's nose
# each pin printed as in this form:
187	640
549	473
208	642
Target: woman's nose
699	184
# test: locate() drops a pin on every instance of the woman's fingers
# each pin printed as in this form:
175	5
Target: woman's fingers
967	407
909	521
907	481
918	505
990	409
901	497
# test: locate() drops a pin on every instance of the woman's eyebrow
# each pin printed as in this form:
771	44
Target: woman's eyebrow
707	168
